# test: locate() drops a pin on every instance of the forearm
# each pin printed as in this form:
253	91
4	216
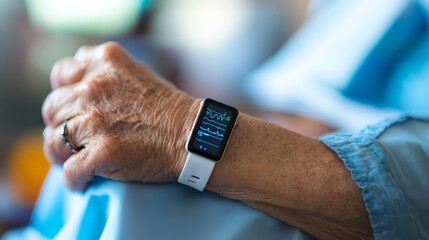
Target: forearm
130	125
291	177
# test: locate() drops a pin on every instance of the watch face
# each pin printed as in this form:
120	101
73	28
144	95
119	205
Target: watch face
212	129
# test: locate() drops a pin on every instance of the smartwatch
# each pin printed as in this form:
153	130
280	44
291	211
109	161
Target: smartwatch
207	142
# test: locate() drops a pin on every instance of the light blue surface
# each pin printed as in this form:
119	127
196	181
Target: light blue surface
119	210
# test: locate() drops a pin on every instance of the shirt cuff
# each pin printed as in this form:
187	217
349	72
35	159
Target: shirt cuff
368	162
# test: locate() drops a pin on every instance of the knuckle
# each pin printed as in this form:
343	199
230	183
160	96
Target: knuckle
55	72
51	148
98	90
59	63
48	109
92	89
112	47
48	149
83	51
110	51
55	75
56	66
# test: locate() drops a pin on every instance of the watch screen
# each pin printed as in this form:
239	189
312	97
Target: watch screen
212	129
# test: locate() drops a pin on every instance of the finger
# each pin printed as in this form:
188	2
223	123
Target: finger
95	56
78	170
111	53
55	153
84	53
67	71
54	147
61	104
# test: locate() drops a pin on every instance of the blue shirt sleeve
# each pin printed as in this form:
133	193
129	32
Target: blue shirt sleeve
389	161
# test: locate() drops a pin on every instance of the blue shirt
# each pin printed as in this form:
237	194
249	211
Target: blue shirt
389	161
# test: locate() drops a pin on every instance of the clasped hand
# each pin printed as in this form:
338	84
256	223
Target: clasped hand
128	123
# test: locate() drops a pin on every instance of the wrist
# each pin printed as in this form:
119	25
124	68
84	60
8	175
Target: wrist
185	114
207	141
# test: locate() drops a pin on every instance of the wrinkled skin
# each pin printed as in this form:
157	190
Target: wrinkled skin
132	126
129	122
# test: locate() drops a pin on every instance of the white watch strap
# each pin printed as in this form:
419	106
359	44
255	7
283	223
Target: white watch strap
196	172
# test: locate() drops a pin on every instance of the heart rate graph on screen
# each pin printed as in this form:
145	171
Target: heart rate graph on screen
212	129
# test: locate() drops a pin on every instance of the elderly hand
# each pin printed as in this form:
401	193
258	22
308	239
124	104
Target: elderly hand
128	123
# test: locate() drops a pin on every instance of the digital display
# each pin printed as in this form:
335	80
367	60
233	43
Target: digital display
212	129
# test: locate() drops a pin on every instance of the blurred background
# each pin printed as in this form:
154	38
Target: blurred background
312	66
